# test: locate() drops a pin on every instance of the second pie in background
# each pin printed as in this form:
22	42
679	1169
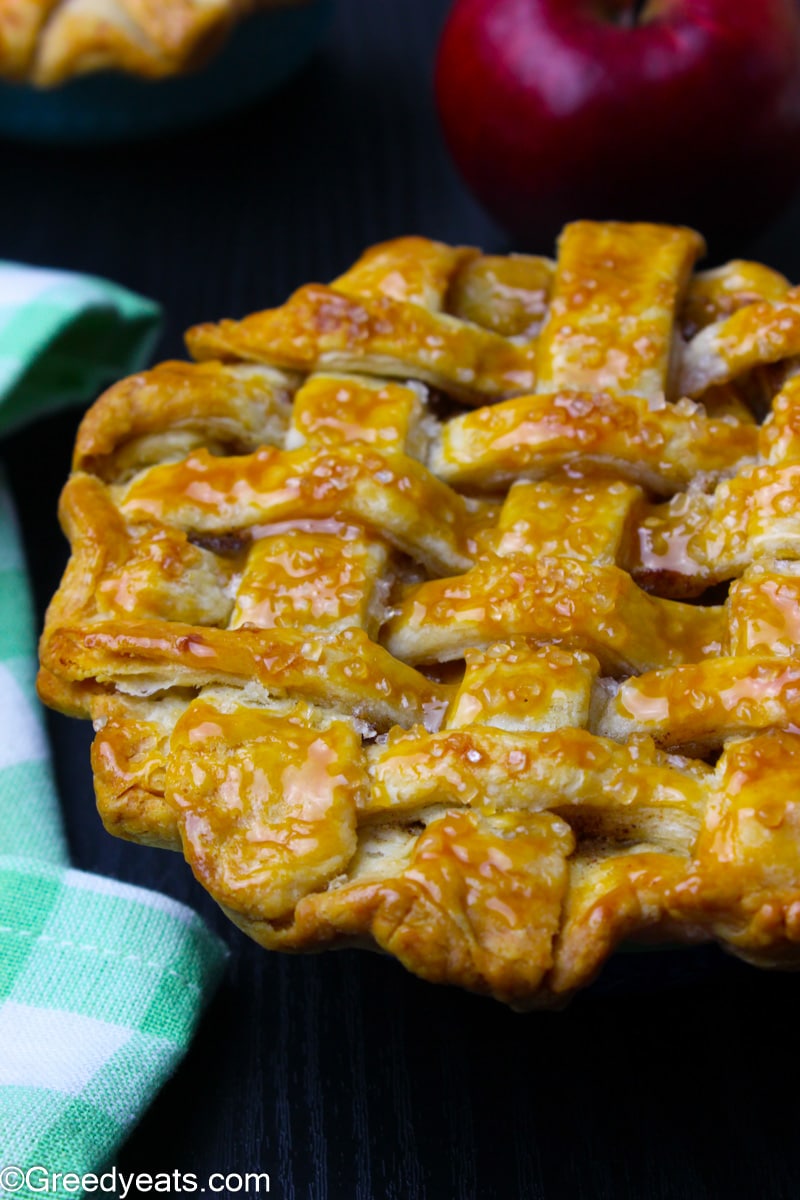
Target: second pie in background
75	71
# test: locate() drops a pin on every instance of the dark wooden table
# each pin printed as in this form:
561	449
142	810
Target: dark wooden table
340	1075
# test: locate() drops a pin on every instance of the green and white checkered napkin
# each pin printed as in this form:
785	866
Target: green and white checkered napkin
101	984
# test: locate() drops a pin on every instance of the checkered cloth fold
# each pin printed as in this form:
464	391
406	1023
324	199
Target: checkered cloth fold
101	984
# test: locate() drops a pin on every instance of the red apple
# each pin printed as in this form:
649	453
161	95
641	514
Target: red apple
674	110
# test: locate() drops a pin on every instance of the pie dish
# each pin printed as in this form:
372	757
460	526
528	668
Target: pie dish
453	609
80	73
46	42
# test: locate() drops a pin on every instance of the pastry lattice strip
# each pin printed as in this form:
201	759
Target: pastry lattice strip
281	561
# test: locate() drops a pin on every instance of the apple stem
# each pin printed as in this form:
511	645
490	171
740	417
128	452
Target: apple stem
632	13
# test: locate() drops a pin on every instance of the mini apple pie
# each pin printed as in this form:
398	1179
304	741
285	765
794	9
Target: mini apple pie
46	42
454	609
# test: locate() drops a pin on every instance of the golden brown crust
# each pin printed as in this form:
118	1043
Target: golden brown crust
21	22
432	684
626	319
141	419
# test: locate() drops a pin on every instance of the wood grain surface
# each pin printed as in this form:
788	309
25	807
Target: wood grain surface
340	1075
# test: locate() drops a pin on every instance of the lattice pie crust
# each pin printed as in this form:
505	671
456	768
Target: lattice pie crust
46	42
402	611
